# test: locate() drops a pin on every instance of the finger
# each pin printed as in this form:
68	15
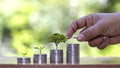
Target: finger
77	24
104	44
114	40
80	23
91	32
111	40
96	42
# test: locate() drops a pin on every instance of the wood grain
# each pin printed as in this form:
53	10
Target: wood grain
57	66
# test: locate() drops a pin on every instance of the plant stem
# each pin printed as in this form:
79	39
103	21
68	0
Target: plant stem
40	51
56	45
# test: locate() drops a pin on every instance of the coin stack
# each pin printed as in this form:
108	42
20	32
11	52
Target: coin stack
56	56
40	59
24	60
72	54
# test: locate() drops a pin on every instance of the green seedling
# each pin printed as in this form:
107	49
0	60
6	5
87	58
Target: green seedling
24	54
57	38
40	48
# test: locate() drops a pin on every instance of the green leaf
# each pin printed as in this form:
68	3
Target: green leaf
24	54
36	47
57	38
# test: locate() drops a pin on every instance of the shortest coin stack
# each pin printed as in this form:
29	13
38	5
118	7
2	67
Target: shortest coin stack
23	60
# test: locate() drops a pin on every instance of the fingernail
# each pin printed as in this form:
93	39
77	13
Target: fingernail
68	37
105	37
81	37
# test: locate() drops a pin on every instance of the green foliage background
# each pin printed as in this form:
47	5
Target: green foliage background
25	24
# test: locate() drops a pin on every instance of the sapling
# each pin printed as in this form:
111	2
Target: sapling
24	54
40	58
57	38
40	48
24	59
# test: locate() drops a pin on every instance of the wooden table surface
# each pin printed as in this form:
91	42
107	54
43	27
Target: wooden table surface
85	62
57	66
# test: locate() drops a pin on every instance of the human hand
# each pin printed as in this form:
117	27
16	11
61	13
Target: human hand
101	29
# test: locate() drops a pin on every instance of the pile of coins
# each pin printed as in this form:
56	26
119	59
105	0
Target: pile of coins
56	56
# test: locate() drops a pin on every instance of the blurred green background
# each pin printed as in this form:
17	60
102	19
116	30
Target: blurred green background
25	24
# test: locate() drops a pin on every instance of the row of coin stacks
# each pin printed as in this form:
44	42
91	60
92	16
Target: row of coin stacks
56	56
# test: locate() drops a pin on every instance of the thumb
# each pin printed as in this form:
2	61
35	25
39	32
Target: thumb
90	33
